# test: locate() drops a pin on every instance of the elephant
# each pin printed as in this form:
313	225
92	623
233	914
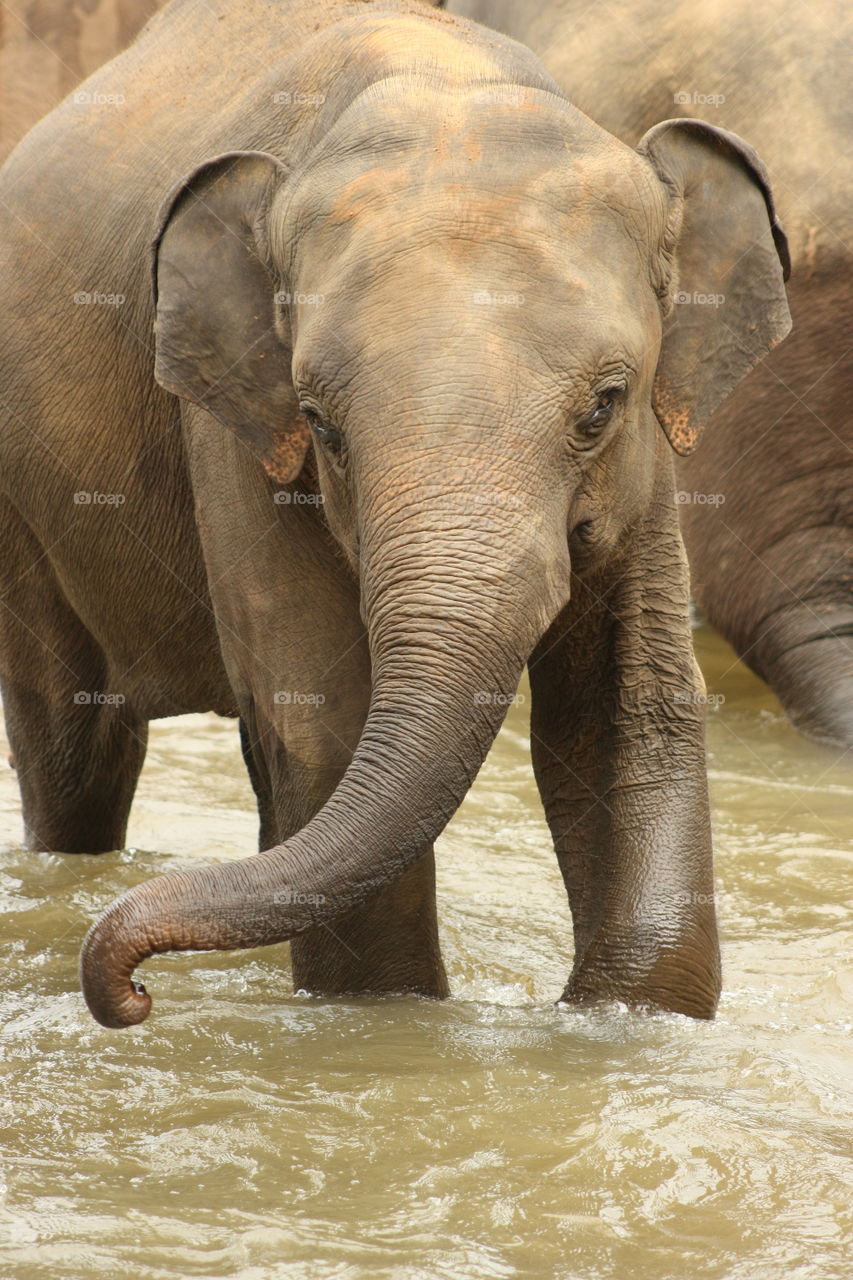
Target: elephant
339	385
768	503
48	46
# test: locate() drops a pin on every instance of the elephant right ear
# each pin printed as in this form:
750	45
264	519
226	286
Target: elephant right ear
730	257
217	344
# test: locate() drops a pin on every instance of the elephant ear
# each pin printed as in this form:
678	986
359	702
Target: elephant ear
730	259
217	343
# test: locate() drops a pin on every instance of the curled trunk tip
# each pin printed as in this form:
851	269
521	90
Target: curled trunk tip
106	974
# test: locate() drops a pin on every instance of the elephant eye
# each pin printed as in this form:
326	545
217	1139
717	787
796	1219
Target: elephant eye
329	437
593	424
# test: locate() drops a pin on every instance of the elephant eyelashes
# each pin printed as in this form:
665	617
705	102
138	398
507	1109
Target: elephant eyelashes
329	437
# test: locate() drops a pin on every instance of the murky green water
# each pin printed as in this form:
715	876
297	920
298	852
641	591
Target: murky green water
250	1133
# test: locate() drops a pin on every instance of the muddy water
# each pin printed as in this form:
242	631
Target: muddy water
249	1132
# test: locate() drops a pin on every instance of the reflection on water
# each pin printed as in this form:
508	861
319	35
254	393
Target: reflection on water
247	1132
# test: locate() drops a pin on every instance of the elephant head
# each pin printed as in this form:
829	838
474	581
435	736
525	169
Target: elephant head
465	301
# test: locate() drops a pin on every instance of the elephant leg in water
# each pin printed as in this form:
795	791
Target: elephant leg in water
76	743
617	744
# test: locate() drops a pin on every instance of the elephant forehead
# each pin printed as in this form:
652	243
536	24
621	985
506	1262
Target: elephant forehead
490	318
539	290
540	209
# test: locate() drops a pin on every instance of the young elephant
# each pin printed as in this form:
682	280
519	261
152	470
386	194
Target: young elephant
407	438
767	509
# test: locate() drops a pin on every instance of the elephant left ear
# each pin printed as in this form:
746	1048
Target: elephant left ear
730	259
217	341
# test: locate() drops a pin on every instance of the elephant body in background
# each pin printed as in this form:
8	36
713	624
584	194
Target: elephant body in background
378	432
49	46
767	510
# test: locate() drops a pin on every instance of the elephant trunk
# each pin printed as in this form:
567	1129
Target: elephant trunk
806	656
448	651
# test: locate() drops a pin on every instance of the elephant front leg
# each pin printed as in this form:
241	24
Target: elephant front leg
389	945
298	752
618	752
